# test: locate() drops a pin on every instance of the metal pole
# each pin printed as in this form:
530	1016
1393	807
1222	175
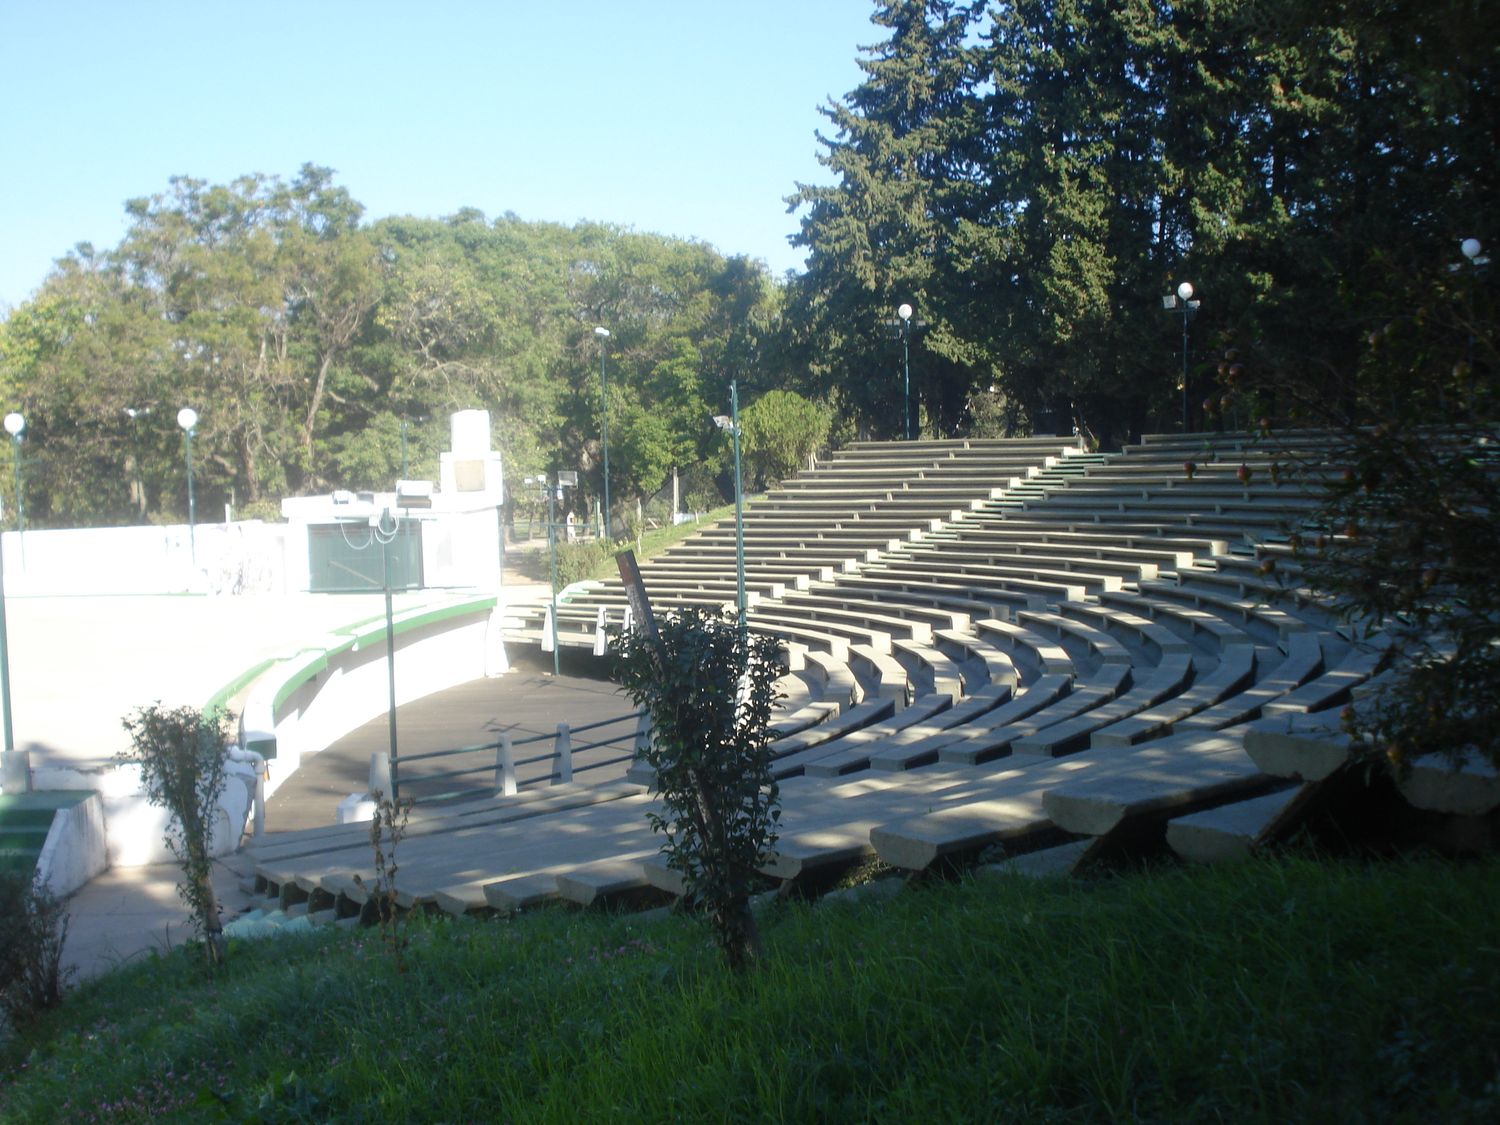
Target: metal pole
187	437
739	502
604	429
390	654
552	552
403	449
10	741
20	500
906	374
1185	312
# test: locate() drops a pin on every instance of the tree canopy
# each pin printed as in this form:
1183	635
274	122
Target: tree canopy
1034	176
314	345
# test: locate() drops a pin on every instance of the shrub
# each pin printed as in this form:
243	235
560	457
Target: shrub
1410	530
708	685
182	753
386	830
33	928
578	561
781	430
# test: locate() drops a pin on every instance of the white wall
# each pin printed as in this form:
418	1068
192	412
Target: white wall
243	557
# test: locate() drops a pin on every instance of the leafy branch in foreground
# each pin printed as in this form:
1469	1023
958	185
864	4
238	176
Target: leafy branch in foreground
33	930
1411	527
387	828
183	754
709	685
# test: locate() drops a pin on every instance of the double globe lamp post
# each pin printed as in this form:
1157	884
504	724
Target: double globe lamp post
603	334
187	418
15	424
1183	299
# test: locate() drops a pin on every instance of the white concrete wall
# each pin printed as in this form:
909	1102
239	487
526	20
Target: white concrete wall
354	688
134	830
76	849
460	549
244	557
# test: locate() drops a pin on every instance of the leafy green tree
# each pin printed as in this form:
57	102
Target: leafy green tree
709	687
881	235
781	430
1410	539
182	753
33	931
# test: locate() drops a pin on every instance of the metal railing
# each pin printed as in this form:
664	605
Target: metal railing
505	762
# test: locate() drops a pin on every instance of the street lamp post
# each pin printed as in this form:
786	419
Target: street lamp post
1183	299
904	312
139	483
733	427
1472	249
15	426
739	504
10	740
603	334
554	493
187	418
385	531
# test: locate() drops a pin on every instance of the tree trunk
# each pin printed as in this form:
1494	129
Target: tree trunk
313	406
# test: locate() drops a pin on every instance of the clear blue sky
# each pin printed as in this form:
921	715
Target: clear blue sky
684	117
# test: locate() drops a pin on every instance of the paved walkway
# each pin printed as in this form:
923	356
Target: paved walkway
526	701
129	911
182	650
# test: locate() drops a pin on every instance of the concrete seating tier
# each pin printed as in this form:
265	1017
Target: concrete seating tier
1137	562
1098	654
927	718
1106	573
1148	535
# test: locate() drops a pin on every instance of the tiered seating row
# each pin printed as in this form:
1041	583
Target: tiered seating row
1076	653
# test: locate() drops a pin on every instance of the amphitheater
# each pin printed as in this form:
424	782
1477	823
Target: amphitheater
1011	649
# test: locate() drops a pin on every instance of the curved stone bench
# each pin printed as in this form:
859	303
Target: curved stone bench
332	686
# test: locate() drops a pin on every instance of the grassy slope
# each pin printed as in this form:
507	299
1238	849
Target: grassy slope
1279	990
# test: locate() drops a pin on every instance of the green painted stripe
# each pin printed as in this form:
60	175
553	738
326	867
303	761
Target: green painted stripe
419	616
219	700
300	668
48	800
359	635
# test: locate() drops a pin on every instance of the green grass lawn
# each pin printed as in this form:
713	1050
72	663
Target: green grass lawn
1280	990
